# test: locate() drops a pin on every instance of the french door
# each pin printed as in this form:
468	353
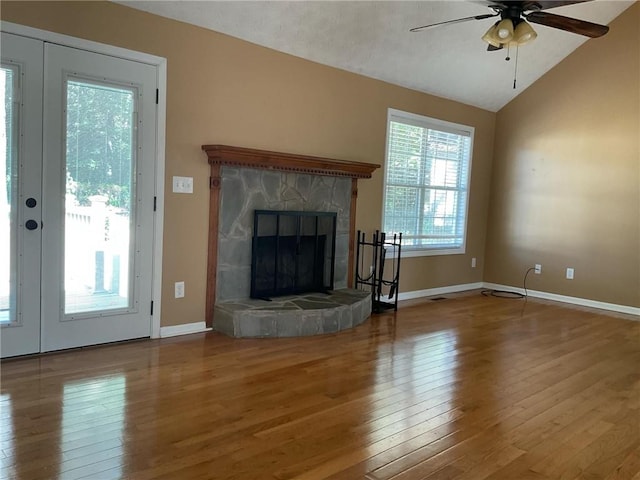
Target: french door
76	209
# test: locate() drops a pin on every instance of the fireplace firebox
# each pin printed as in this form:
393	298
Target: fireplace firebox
293	252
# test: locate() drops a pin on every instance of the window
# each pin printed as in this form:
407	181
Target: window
426	191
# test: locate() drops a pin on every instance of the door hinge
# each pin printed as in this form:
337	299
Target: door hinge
157	96
151	307
155	203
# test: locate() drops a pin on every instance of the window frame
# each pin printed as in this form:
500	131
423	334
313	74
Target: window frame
423	121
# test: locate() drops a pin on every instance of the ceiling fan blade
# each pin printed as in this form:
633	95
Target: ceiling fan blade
458	20
491	48
527	5
545	4
573	25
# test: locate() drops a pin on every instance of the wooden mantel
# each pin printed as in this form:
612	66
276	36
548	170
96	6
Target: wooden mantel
220	155
251	158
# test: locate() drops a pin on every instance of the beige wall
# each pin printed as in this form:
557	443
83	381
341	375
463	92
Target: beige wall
223	90
566	175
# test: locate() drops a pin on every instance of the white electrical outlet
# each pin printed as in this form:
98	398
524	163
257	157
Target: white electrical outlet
569	273
538	269
179	289
473	262
182	184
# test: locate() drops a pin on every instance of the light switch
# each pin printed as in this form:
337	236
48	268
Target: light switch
182	184
179	289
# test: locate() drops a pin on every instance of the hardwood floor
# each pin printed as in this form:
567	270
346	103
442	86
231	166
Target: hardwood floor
471	387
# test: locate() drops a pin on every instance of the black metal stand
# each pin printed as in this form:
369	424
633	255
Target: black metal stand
381	282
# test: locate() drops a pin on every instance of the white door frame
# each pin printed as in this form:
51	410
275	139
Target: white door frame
161	67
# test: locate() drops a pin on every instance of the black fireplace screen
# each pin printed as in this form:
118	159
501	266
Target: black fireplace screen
292	253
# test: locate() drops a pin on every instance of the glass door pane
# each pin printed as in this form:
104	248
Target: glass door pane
21	85
100	164
8	195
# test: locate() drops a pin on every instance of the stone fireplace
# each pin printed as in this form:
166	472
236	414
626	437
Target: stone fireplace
245	190
246	180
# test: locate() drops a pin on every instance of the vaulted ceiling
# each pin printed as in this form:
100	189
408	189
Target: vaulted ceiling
372	38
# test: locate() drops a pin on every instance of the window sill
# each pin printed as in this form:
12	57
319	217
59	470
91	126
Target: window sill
431	252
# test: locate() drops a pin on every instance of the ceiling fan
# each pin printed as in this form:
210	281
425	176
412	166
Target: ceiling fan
513	29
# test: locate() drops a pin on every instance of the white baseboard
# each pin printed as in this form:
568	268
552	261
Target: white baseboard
584	302
430	292
187	328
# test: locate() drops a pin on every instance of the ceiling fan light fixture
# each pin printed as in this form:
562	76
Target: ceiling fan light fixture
524	33
491	37
504	30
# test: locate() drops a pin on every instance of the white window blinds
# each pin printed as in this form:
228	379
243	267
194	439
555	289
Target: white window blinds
427	182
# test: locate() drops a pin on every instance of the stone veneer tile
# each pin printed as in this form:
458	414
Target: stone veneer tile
356	313
288	324
279	308
311	305
331	320
231	203
223	321
346	318
256	325
233	252
365	311
234	283
310	323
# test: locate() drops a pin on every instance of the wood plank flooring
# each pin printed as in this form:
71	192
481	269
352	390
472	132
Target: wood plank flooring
470	387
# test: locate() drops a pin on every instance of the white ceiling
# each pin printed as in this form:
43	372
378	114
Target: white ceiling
372	38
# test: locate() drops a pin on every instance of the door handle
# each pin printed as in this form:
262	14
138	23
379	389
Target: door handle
31	224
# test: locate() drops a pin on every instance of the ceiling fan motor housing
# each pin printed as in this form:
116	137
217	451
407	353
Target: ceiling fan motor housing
512	12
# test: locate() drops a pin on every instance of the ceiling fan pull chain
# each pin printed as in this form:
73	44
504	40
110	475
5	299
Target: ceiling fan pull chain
508	50
515	71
